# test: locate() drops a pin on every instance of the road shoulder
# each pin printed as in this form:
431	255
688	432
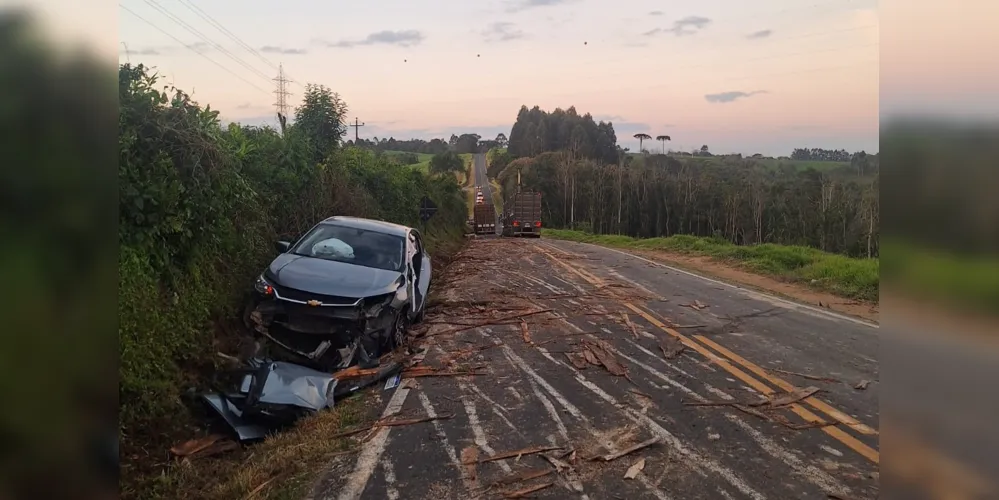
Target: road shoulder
719	270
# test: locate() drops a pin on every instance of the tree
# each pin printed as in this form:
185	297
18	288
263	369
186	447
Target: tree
663	139
502	140
466	143
704	150
445	162
536	132
320	120
642	137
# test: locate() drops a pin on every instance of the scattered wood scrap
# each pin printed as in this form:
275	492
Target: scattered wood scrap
525	332
639	393
193	446
614	456
526	475
480	324
777	401
469	457
520	453
631	326
391	423
577	359
671	347
633	471
696	305
527	491
804	375
600	351
426	371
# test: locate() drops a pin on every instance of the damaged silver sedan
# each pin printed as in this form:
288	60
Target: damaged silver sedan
345	292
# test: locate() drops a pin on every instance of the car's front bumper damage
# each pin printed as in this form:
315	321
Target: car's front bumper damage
327	332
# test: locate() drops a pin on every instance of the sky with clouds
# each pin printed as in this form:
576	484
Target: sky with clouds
764	76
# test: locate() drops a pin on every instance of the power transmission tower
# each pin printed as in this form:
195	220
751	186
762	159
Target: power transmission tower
356	126
282	92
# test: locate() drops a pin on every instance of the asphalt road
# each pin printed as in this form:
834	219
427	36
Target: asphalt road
526	391
479	165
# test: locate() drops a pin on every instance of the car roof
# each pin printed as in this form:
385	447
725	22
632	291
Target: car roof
377	226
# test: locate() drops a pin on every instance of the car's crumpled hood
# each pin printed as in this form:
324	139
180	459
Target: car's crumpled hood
328	277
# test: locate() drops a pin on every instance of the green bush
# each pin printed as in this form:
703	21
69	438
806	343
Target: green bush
199	207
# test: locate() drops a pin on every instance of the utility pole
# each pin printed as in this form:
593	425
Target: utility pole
356	126
282	92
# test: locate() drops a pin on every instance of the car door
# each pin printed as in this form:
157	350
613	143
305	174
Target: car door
424	271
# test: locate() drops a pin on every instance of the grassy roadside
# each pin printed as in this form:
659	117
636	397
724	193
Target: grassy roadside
283	466
837	274
496	195
957	282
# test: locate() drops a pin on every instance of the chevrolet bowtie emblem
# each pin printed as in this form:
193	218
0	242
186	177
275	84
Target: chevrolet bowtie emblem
313	303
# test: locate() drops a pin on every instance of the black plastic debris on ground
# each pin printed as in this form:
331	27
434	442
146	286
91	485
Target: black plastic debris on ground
274	394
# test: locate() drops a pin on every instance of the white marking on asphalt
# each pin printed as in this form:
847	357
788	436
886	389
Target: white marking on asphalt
830	450
519	362
390	491
373	450
653	488
478	432
452	454
515	393
725	494
569	479
787	304
552	412
496	407
482	395
692	456
718	392
811	473
659	357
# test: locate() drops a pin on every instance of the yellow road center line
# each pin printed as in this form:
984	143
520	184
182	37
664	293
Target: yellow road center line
816	403
835	432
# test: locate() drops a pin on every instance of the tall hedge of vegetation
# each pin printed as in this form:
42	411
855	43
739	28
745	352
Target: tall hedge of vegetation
200	205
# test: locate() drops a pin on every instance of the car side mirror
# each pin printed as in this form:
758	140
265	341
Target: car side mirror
282	246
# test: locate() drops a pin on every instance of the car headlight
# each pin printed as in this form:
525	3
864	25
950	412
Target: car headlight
262	286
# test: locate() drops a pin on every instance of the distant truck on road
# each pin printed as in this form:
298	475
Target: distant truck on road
523	215
484	219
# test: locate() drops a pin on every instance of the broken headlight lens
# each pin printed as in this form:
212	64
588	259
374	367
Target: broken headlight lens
262	286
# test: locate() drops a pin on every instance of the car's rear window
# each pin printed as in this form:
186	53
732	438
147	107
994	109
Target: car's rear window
353	246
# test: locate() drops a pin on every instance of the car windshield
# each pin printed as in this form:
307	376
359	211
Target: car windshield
353	246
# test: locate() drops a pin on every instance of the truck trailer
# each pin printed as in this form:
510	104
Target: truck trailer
523	215
484	219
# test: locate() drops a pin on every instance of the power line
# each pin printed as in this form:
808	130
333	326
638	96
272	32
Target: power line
194	31
232	36
222	29
192	49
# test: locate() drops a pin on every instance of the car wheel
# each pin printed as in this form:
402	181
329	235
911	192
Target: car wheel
397	336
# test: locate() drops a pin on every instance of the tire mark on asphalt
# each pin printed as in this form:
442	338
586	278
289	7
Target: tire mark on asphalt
575	412
695	458
478	433
470	483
